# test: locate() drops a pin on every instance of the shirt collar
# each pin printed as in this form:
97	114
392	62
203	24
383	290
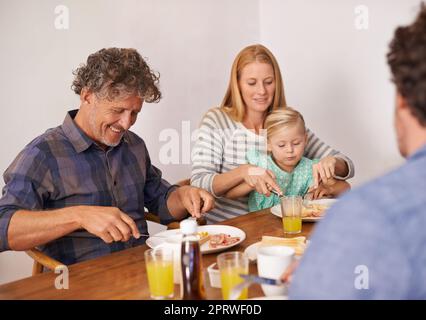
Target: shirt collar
420	153
77	137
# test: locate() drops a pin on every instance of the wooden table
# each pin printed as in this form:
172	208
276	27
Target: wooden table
122	275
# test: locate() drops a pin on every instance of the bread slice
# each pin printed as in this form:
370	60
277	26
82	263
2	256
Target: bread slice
297	243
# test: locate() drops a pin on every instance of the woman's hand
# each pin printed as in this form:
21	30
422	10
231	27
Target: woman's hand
260	179
324	190
324	170
331	189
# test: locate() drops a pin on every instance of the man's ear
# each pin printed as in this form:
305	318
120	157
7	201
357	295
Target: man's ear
401	103
86	96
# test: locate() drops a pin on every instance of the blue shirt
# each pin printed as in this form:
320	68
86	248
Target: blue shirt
64	167
372	242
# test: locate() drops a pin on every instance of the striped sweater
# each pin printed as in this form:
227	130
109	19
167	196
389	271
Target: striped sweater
221	146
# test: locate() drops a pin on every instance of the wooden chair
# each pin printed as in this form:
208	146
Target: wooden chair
42	260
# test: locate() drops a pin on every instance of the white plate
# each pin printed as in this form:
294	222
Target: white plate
211	229
276	210
251	251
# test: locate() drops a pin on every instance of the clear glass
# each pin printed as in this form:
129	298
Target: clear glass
159	269
231	265
291	208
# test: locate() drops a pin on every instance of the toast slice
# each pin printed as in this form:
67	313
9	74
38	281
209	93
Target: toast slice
297	243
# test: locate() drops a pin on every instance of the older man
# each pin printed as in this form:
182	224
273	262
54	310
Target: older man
79	190
371	244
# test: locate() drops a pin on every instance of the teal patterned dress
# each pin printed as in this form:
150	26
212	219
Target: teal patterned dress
295	183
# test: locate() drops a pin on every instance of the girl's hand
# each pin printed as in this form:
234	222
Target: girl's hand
324	170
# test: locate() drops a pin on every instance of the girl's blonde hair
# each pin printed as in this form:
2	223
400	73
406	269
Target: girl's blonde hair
282	118
233	103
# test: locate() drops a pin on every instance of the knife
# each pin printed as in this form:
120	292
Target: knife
261	280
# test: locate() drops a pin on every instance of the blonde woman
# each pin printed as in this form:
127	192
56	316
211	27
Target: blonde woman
228	132
286	141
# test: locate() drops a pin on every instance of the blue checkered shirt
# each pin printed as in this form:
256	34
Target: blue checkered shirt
63	167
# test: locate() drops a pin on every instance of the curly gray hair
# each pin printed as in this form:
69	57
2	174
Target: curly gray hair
114	72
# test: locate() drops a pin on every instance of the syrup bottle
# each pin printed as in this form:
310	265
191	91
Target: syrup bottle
192	285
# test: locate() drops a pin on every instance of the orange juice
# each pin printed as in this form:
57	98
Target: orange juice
229	277
160	278
292	224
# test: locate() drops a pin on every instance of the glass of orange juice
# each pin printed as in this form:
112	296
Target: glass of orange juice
231	265
159	269
291	208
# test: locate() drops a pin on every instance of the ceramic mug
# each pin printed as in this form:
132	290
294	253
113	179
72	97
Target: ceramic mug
272	261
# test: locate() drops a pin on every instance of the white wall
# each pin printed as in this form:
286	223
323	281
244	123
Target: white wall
191	43
336	75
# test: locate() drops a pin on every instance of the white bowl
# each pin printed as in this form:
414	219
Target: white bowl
214	276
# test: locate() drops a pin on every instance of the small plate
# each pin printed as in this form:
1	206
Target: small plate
276	210
160	237
251	251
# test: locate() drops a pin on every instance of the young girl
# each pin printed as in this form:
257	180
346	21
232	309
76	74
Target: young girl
286	140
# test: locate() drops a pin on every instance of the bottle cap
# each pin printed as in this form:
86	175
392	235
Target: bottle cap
188	226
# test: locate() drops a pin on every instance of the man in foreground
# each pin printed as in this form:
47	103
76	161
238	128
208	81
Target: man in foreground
371	244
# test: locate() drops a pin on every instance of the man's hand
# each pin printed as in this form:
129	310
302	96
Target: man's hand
195	200
261	180
108	223
288	273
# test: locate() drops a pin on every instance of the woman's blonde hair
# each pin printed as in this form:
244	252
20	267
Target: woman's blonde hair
233	103
282	118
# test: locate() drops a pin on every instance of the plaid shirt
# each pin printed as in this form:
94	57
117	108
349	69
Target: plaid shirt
64	167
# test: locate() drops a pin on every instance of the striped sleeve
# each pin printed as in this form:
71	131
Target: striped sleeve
315	148
207	152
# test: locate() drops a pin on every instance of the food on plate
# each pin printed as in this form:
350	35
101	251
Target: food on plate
202	234
297	243
222	239
313	210
204	237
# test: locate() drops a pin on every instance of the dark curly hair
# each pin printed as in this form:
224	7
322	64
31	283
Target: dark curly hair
113	72
407	61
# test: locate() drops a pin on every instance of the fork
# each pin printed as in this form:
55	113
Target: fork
276	193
